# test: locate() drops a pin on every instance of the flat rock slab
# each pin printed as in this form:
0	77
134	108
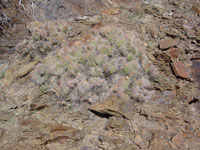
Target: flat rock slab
180	69
195	9
196	71
168	42
24	70
174	52
114	106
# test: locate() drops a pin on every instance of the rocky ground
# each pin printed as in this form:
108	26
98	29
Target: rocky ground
100	75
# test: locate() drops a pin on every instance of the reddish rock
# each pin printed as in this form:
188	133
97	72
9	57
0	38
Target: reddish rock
71	43
59	128
98	26
157	144
191	34
168	42
111	11
180	69
37	106
86	38
178	140
176	15
174	52
195	9
198	134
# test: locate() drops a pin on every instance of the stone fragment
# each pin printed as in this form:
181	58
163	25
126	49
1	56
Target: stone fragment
178	140
174	52
9	76
4	115
191	34
111	11
118	124
198	133
168	42
180	69
139	141
157	144
60	133
54	133
1	133
195	9
25	69
153	32
114	106
37	106
110	139
176	15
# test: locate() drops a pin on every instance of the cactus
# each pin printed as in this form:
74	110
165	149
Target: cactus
128	68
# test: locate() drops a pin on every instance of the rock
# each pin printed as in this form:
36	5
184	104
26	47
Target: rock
157	144
111	11
180	69
114	106
37	106
191	34
195	9
160	144
196	70
25	69
174	52
9	76
60	133
178	140
1	133
198	134
53	133
153	32
168	42
139	141
5	116
119	124
176	15
136	7
110	139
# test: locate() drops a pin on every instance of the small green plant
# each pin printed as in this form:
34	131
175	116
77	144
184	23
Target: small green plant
98	72
105	51
111	39
128	68
10	120
35	111
65	65
141	15
82	60
93	43
132	50
119	43
130	58
112	70
99	60
70	106
125	85
91	60
44	89
2	73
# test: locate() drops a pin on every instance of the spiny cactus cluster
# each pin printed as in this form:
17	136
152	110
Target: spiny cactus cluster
91	70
